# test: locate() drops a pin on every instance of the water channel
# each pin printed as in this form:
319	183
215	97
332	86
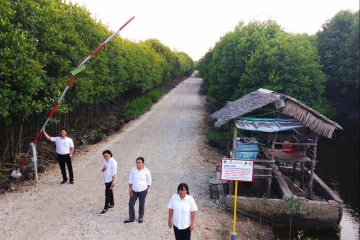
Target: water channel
338	166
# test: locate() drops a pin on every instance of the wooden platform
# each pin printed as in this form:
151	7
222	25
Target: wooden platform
287	157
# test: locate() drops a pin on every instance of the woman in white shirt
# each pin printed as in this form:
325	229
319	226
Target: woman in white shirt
139	185
182	209
109	168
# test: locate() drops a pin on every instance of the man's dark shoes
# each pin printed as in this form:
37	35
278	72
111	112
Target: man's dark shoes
63	181
141	220
71	181
103	212
128	221
111	206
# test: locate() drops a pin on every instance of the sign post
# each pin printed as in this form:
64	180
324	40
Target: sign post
234	234
236	170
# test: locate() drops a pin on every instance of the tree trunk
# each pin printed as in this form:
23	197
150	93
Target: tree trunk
20	138
290	226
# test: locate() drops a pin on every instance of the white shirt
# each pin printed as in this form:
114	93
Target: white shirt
139	179
111	169
182	209
63	145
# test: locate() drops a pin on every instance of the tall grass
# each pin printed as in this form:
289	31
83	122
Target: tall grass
137	107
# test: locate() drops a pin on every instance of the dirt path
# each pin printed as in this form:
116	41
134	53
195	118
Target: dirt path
170	139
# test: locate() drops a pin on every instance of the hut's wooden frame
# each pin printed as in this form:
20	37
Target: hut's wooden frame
287	105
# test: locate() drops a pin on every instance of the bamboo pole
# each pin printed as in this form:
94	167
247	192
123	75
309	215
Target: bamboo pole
234	141
233	154
228	144
297	144
273	145
313	163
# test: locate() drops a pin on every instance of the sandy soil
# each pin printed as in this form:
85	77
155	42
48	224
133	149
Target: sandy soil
170	137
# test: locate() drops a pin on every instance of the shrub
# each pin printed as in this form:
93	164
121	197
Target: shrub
217	139
155	95
137	107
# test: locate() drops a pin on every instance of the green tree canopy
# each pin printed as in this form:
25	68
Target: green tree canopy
262	55
41	41
338	46
21	75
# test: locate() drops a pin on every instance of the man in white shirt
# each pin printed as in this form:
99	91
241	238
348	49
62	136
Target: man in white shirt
109	168
139	184
64	152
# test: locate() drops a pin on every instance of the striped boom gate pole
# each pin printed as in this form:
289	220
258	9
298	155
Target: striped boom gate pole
77	70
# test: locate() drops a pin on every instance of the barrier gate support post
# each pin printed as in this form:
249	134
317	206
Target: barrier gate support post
34	160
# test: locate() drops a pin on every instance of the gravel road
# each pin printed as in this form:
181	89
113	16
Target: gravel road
170	138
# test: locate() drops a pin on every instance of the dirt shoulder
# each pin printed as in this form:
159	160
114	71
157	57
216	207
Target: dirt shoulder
171	139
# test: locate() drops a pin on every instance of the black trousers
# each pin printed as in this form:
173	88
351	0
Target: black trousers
182	234
109	196
65	159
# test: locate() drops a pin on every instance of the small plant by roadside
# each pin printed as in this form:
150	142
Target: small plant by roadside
216	138
293	206
300	236
138	106
155	95
338	230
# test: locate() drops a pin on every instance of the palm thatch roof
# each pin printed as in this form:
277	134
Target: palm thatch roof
290	106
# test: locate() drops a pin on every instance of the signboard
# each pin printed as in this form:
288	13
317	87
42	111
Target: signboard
237	170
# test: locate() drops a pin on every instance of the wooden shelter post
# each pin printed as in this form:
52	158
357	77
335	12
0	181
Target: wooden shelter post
313	164
273	145
228	144
233	154
234	141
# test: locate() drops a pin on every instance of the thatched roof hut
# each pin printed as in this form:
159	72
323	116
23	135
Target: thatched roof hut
290	106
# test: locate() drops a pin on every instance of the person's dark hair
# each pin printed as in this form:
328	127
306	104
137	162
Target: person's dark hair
141	159
108	152
63	129
183	186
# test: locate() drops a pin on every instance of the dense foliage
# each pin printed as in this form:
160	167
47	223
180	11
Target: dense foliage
41	41
262	55
338	45
138	106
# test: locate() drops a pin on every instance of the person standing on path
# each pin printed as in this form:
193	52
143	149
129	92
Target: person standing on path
139	184
109	169
182	209
64	152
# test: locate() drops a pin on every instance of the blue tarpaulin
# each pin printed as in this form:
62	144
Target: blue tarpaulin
267	124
